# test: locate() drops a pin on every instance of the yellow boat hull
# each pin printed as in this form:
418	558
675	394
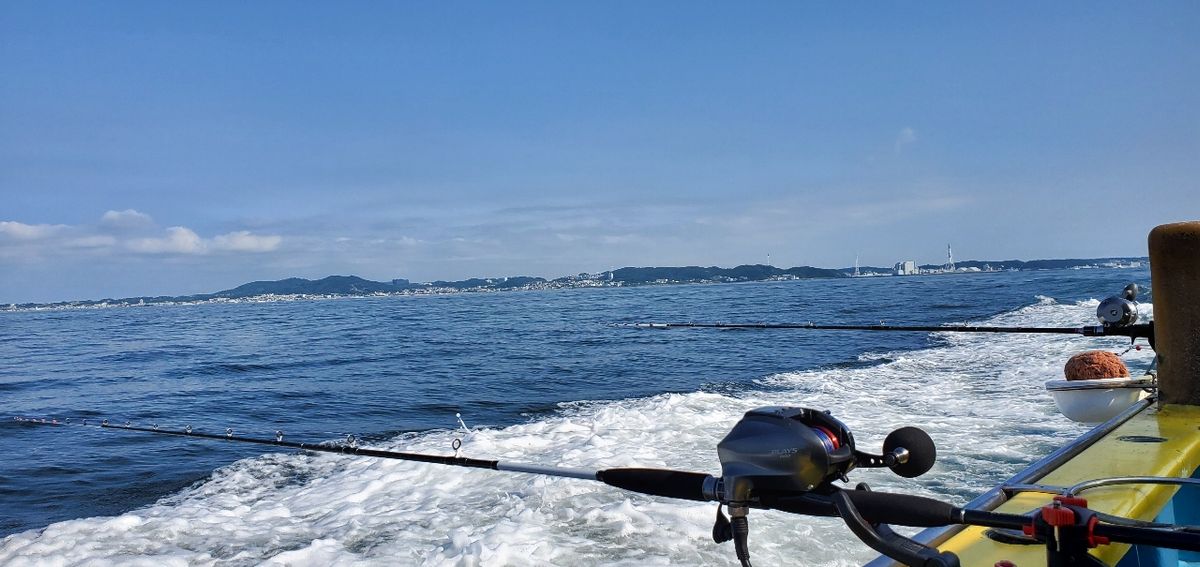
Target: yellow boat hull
1154	442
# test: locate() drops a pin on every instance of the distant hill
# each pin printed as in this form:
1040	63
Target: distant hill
629	276
339	285
489	283
354	285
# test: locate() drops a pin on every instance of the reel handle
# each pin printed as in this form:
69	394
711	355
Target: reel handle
881	538
909	452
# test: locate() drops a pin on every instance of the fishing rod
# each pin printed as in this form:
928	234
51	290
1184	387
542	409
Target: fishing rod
787	459
1117	315
1135	331
347	447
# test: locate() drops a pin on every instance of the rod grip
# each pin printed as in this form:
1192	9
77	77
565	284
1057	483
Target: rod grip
657	482
875	507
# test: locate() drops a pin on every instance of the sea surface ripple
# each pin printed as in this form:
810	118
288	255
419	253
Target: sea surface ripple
540	377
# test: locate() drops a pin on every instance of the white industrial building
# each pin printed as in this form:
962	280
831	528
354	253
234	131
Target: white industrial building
906	268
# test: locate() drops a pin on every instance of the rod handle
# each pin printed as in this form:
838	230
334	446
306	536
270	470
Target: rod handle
876	507
657	482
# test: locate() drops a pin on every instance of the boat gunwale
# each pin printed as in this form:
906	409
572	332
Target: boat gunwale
998	495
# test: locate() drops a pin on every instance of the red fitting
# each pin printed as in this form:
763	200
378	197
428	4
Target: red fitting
1004	563
1071	500
1057	516
1093	539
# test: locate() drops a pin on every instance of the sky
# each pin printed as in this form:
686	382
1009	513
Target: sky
168	148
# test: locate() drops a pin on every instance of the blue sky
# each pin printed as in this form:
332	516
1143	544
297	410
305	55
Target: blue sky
175	147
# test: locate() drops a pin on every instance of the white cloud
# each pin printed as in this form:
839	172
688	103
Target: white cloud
22	231
19	239
244	241
183	240
906	136
179	240
127	218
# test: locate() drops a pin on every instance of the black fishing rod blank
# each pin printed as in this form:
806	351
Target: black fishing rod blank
657	482
1092	331
1117	315
1134	332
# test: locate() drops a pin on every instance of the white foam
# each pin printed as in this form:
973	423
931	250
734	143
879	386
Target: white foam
979	396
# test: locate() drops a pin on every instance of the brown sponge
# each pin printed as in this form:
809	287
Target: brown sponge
1095	364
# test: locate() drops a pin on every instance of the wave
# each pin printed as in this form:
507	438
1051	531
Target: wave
979	396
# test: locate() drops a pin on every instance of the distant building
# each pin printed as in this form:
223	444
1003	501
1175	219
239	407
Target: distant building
400	282
906	268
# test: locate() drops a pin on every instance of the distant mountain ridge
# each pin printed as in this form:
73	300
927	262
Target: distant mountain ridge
342	285
354	285
628	276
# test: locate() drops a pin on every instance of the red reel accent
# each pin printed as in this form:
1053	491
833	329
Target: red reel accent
833	438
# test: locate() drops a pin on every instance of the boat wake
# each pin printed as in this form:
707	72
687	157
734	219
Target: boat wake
980	397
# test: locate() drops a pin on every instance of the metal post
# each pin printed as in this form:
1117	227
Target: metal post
1175	282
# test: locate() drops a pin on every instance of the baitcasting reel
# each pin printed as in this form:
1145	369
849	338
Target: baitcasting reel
785	452
788	450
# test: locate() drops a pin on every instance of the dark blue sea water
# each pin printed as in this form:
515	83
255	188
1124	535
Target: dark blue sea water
379	367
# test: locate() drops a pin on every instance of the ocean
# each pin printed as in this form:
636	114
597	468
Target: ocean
537	376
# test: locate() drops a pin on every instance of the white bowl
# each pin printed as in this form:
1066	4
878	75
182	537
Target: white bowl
1094	401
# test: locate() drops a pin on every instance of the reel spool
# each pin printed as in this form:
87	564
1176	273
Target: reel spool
1119	310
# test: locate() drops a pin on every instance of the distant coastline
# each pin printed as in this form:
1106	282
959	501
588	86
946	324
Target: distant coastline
292	289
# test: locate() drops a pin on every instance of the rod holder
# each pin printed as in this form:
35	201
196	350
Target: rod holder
1175	283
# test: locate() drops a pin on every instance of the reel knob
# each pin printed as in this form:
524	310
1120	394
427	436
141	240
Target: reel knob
1131	292
916	453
